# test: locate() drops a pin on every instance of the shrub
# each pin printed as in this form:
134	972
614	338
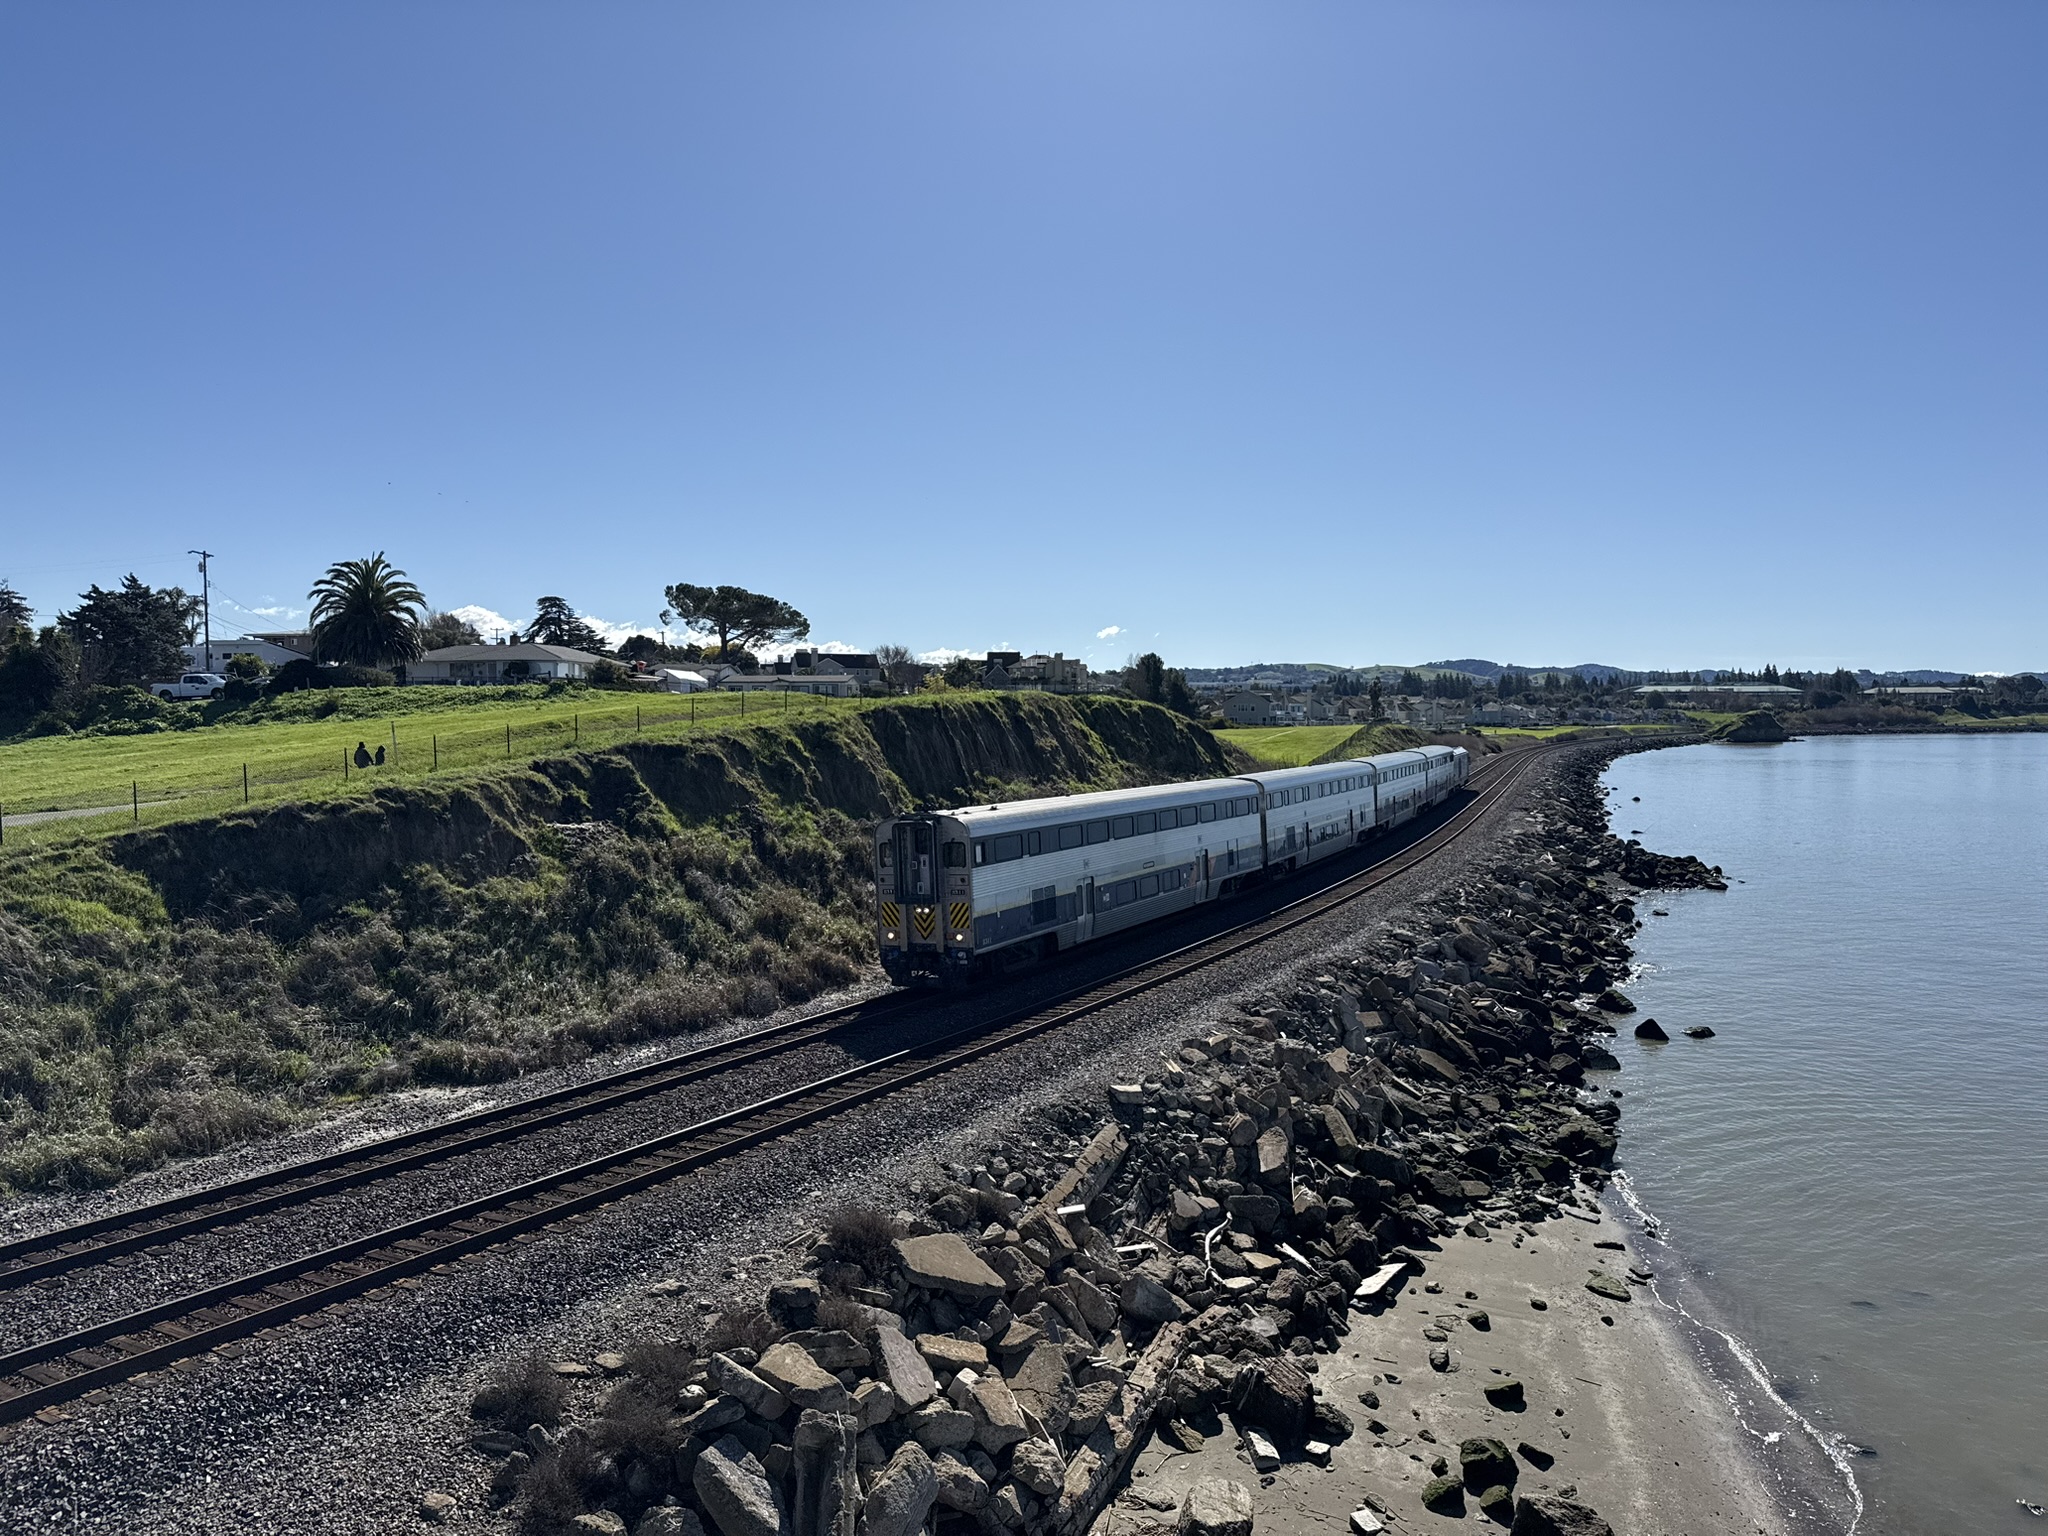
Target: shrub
526	1392
863	1235
742	1330
843	1313
562	1484
663	1367
304	673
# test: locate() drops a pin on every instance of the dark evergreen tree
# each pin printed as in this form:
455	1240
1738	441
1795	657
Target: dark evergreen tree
132	635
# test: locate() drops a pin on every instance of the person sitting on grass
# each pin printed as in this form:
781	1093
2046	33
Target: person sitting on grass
362	755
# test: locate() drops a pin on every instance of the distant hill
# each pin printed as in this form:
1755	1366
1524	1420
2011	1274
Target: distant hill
1593	671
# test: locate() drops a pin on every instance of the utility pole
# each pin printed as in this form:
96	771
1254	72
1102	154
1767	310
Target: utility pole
205	603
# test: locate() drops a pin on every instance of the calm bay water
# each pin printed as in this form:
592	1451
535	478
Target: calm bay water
1852	1177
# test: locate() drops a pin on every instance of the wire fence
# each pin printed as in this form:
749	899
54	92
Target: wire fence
120	781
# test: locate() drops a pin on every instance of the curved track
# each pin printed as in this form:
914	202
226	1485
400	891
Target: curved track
36	1378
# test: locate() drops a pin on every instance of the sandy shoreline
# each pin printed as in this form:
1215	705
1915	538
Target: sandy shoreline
1632	1422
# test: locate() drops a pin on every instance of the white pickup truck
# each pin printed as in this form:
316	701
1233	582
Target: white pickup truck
193	685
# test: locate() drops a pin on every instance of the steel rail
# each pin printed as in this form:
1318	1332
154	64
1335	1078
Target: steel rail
28	1260
37	1377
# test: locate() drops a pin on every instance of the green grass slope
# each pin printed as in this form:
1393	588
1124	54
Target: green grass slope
175	989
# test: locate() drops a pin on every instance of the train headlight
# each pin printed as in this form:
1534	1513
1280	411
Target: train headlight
891	934
959	938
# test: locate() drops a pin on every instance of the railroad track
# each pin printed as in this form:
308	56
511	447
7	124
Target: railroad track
37	1378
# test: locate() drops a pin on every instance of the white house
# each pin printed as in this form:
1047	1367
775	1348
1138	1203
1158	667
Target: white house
500	664
679	680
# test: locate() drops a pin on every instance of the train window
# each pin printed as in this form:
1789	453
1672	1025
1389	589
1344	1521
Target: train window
1098	832
1070	835
1206	812
1125	890
1033	842
1003	849
953	855
981	853
1147	822
1148	885
1120	826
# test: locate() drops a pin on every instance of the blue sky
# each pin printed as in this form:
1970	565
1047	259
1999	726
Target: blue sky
1657	335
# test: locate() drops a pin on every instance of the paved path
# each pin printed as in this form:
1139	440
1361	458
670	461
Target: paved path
31	818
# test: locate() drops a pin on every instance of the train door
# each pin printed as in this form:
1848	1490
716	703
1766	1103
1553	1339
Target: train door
1084	909
917	881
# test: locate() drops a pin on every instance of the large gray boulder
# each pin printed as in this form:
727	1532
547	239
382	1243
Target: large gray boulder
1147	1301
1273	1394
792	1372
736	1381
1544	1514
1038	1467
736	1493
1216	1506
669	1520
960	1486
902	1494
942	1262
903	1368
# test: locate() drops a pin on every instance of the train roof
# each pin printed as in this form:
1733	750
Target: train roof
1066	807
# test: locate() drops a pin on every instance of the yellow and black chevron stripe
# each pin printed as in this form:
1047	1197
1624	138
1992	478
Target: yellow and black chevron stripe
892	915
925	919
961	916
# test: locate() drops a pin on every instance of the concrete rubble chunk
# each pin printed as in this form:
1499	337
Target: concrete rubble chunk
1038	1467
1264	1454
960	1486
736	1381
598	1522
1541	1514
822	1483
942	1262
939	1425
791	1371
669	1520
1273	1148
998	1418
908	1376
736	1493
943	1352
1039	1379
1096	1309
873	1403
1485	1462
1147	1301
833	1348
1216	1506
436	1505
901	1495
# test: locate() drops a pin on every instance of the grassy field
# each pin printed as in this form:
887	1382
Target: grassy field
1287	746
424	732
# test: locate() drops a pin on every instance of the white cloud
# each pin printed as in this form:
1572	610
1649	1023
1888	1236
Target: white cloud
943	655
487	622
1113	630
616	634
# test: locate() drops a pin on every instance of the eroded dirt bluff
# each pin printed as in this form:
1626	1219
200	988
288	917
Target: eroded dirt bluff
748	779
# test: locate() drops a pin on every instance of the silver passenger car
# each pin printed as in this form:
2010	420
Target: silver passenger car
988	887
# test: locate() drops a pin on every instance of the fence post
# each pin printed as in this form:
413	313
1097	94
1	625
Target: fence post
245	783
508	741
693	709
576	725
394	743
636	719
437	752
344	765
135	802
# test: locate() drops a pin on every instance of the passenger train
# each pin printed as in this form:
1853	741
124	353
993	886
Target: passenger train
992	887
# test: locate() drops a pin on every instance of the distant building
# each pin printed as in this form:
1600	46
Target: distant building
262	647
1928	696
480	664
1248	709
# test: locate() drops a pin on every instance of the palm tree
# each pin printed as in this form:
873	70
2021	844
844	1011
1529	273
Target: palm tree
366	612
